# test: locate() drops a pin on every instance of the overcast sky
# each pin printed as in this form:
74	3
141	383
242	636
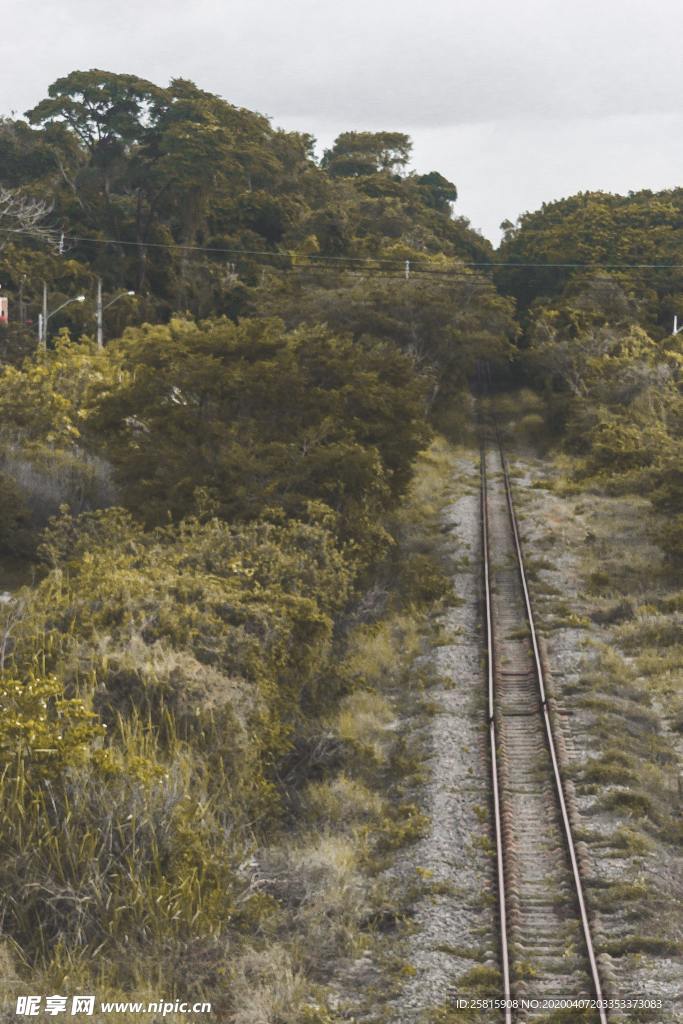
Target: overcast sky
517	101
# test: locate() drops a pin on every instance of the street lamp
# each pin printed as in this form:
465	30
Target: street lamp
44	317
101	309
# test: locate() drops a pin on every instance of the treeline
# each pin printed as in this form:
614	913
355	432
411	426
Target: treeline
141	179
597	336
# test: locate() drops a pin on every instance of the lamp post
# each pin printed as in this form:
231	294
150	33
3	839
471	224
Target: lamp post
44	317
101	309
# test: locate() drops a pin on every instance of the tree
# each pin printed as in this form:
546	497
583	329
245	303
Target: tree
589	343
107	112
355	154
439	192
26	155
166	171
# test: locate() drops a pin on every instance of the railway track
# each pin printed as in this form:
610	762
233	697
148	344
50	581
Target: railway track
546	945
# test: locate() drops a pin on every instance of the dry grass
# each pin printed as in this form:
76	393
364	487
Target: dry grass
267	988
377	655
318	879
364	720
432	485
342	802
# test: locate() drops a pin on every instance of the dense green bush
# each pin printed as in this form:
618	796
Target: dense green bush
447	326
258	417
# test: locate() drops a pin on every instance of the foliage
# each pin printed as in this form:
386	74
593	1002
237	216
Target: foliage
207	649
360	153
615	388
44	405
254	604
261	418
46	401
229	608
112	857
200	649
41	732
593	228
445	327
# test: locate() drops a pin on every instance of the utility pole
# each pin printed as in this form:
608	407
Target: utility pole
43	320
45	316
22	311
101	308
100	331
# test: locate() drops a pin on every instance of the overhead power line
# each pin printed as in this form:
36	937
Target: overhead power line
314	258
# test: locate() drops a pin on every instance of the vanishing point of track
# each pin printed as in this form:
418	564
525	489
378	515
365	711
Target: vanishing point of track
546	946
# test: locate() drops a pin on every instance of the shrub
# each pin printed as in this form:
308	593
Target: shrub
617	445
422	580
15	533
532	429
41	732
44	406
262	417
671	536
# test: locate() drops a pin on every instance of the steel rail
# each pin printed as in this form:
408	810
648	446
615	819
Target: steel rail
493	745
557	775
